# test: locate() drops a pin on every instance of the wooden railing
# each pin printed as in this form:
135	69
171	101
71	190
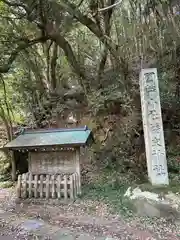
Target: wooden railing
46	186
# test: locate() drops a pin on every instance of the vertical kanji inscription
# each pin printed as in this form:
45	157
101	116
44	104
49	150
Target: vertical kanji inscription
153	127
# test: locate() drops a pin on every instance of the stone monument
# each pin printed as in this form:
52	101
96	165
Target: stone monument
153	127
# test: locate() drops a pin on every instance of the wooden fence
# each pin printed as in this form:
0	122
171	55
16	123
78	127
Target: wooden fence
46	186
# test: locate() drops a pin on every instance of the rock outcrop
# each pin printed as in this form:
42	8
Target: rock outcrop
153	204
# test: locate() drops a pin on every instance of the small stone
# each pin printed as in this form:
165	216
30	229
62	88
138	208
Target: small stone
110	238
31	225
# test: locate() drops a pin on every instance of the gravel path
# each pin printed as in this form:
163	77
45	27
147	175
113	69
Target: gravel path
76	221
6	238
66	229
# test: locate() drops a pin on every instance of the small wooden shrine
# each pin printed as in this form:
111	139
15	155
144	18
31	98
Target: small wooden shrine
53	162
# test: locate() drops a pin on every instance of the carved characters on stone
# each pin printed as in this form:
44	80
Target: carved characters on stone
153	128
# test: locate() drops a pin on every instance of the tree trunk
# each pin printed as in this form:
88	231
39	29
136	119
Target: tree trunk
53	66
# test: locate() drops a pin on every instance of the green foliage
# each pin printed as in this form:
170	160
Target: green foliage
110	189
10	99
173	154
4	166
111	100
6	184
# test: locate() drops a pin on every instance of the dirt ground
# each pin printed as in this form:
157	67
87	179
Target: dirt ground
79	220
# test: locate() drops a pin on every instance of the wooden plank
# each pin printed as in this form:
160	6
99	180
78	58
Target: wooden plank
65	187
71	187
77	183
47	186
74	184
53	186
18	189
78	170
59	186
41	186
30	185
24	180
35	185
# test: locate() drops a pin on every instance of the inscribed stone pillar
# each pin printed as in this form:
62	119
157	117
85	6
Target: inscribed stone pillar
153	127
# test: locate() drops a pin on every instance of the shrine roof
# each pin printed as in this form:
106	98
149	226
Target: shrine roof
51	137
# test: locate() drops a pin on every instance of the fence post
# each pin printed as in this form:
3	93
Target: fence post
24	184
71	187
53	186
59	186
65	187
47	186
18	189
30	185
35	185
78	170
41	186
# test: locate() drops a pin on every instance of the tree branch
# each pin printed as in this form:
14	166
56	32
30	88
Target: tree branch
64	44
76	66
21	47
48	48
80	3
53	66
110	6
107	25
8	122
90	24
